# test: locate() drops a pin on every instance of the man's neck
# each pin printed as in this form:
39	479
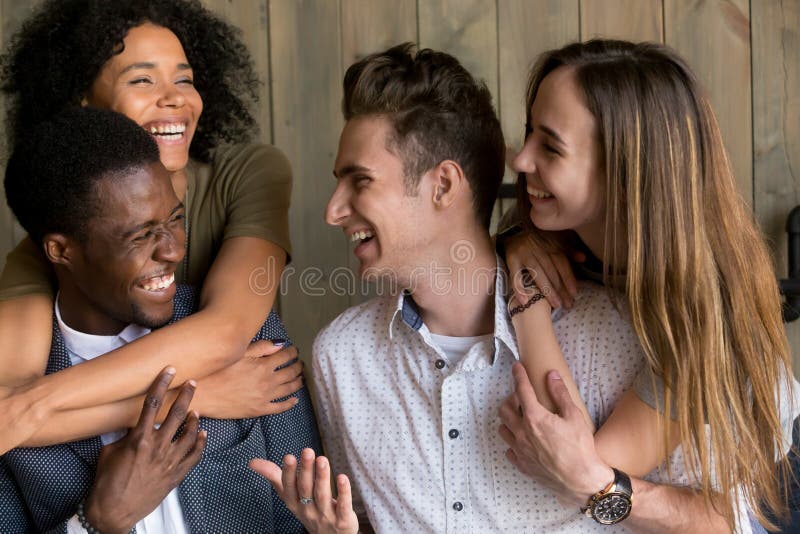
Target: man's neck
458	299
83	316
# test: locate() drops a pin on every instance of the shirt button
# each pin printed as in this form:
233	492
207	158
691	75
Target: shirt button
440	364
457	506
453	433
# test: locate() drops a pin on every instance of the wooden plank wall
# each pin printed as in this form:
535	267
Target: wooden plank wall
746	52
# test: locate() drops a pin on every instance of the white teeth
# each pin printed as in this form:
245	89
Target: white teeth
537	193
360	236
168	129
159	283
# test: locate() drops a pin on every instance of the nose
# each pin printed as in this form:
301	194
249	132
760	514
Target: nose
524	160
338	208
170	246
171	97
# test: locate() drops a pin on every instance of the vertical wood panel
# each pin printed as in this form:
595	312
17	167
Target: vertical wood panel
371	26
252	19
526	29
306	94
467	29
714	37
632	20
776	127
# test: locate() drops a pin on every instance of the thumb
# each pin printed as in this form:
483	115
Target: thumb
264	347
560	395
268	470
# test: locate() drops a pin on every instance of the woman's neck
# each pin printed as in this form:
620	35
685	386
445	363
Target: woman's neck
179	183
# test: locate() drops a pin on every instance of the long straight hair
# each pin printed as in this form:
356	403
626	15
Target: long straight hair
699	282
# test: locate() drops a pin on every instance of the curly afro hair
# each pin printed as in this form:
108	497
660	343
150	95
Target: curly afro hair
52	61
52	174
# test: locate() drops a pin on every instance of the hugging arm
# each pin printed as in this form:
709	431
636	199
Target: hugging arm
216	336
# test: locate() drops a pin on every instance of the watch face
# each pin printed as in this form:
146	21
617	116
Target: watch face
612	508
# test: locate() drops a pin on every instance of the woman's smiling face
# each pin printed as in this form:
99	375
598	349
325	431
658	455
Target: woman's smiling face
561	160
151	82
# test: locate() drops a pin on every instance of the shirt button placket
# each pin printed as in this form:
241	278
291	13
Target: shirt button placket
455	397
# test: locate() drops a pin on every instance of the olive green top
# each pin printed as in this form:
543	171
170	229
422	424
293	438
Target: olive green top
243	192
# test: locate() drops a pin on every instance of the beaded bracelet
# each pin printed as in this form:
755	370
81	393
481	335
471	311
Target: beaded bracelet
522	307
85	522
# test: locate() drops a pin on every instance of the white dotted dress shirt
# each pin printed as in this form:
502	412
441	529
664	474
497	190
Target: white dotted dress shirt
418	435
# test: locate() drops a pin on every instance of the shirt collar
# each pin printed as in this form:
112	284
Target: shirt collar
89	346
407	311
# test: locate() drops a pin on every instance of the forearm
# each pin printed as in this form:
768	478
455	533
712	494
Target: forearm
540	353
83	423
661	509
26	327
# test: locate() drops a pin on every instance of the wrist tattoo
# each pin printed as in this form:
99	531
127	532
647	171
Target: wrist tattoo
522	307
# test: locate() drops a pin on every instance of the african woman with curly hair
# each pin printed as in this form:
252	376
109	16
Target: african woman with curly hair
185	76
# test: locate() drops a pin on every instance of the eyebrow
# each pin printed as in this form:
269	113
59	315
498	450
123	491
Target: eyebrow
552	133
150	65
350	169
139	227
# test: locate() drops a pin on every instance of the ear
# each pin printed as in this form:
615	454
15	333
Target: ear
448	183
60	249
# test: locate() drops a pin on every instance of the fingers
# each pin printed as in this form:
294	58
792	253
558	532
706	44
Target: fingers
194	454
344	499
560	395
271	408
281	358
189	436
154	398
289	480
507	435
271	471
548	279
322	486
289	373
305	477
178	410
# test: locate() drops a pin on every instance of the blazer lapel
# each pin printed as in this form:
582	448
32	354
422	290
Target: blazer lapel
89	449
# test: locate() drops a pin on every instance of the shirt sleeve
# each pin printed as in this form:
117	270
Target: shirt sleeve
27	272
74	526
258	187
649	387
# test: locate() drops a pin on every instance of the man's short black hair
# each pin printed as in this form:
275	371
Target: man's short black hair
52	174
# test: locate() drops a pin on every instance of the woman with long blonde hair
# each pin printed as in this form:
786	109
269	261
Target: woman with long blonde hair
624	160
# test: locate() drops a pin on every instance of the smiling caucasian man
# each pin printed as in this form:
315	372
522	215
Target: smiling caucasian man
89	187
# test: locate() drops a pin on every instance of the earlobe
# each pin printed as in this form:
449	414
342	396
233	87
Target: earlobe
58	248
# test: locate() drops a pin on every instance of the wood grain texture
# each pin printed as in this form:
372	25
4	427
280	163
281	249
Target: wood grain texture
714	37
632	20
526	29
373	25
252	18
466	29
776	128
306	94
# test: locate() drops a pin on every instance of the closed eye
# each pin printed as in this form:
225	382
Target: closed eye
140	81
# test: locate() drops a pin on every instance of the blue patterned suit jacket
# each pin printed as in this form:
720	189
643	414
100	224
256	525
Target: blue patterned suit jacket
40	488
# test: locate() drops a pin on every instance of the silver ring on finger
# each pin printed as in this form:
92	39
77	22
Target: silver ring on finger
306	500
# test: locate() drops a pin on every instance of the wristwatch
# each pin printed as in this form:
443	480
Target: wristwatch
613	503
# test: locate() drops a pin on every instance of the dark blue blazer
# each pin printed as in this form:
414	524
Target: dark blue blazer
40	488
